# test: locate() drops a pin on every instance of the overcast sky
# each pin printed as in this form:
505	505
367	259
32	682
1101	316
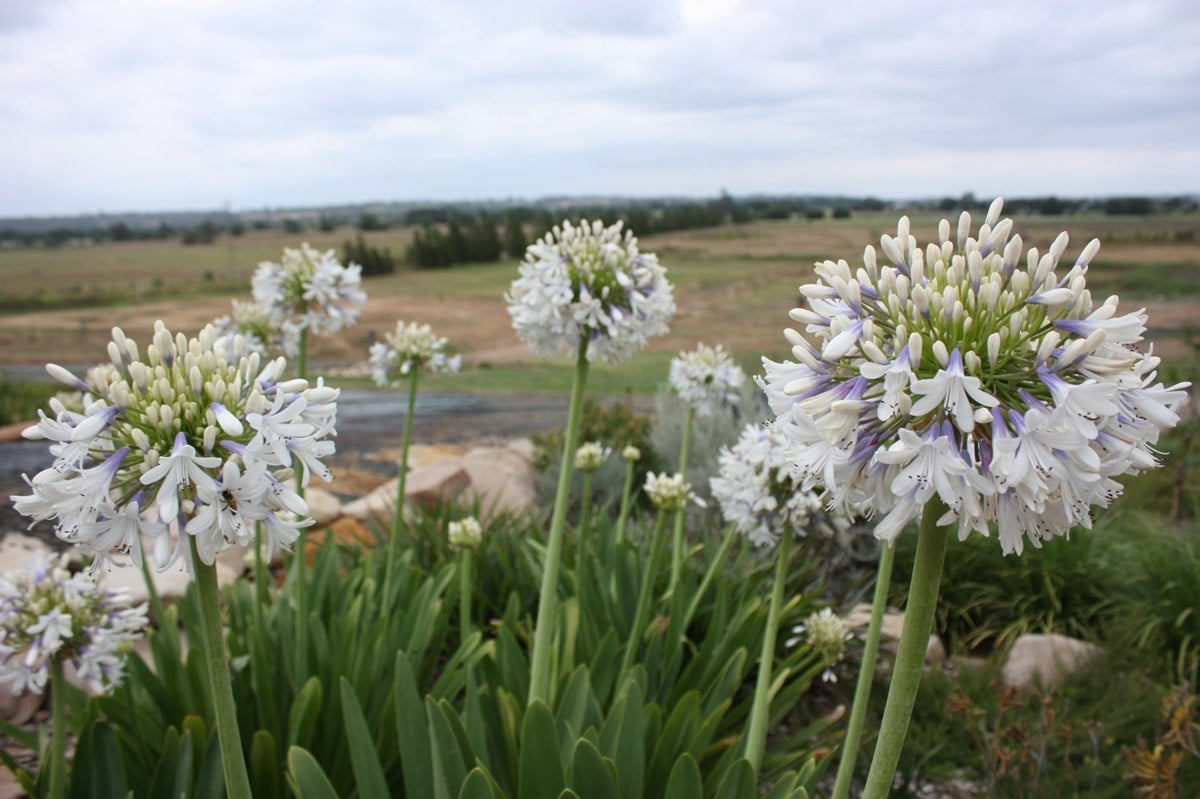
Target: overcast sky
138	105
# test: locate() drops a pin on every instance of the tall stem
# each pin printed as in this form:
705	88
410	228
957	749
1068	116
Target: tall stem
539	682
760	712
677	532
866	675
237	780
58	730
464	594
714	567
585	514
626	495
393	548
910	656
642	614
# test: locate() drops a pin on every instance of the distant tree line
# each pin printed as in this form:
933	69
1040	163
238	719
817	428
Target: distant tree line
451	234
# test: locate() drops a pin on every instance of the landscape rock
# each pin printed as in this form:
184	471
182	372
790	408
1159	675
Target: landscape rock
323	506
1044	658
18	708
441	481
502	478
17	549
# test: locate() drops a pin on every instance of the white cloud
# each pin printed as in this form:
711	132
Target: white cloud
136	104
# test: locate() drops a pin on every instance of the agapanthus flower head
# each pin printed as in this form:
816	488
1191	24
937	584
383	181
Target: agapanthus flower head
410	346
707	379
589	282
591	455
262	331
971	371
465	533
631	454
310	290
760	494
669	492
196	438
826	633
47	614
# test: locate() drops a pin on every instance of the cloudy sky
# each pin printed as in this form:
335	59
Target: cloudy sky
149	105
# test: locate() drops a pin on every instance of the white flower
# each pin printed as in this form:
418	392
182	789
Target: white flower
309	290
48	614
262	331
410	346
826	633
669	492
630	453
706	379
591	455
969	371
194	440
589	283
465	533
760	494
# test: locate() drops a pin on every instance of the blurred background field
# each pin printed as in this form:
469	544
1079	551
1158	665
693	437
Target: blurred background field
734	284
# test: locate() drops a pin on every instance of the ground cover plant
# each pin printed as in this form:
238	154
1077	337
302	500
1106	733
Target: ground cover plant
616	648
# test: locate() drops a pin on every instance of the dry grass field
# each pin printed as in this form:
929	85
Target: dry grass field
734	285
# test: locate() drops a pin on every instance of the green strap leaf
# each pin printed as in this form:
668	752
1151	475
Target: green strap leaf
368	772
306	777
541	769
685	782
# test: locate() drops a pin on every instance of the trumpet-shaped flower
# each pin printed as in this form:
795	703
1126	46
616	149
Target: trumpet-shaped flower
194	440
669	492
410	346
762	496
964	371
262	331
310	290
706	379
47	614
589	283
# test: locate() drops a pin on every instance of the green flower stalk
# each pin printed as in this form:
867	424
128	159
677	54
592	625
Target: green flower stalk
670	494
631	455
707	380
464	536
587	290
957	383
760	710
588	458
401	356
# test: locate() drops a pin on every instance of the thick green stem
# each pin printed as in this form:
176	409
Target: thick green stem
543	635
585	509
58	730
237	781
910	656
626	496
464	594
760	712
677	531
642	615
866	676
393	548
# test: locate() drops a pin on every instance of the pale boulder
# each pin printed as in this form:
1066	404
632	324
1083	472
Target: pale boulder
1044	658
502	479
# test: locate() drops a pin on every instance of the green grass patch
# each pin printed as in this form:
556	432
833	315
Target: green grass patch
20	398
